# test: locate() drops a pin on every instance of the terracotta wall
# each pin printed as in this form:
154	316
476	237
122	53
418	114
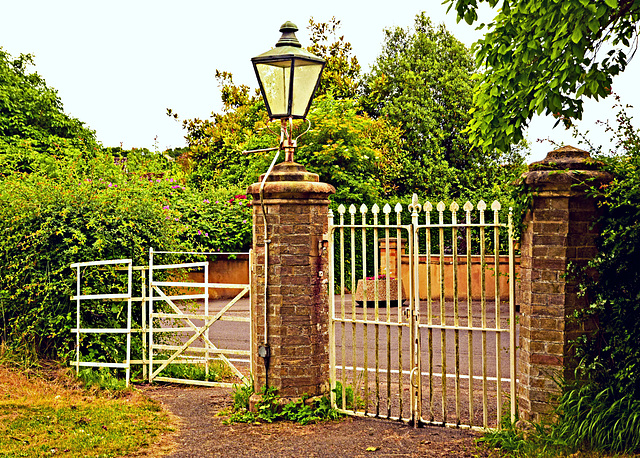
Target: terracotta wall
224	270
461	271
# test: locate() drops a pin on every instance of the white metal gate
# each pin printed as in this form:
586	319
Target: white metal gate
434	341
161	317
198	347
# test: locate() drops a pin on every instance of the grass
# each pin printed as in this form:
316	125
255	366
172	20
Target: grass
47	412
218	371
589	423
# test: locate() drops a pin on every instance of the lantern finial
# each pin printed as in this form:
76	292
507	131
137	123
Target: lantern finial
288	37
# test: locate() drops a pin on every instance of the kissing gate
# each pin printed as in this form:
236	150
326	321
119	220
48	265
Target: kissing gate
422	327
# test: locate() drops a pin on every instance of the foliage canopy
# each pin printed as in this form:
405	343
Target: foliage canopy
33	125
542	57
422	82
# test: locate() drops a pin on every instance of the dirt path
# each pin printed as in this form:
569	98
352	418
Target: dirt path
201	433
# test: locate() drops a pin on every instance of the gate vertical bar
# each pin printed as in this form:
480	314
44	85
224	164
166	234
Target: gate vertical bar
467	208
129	303
363	211
454	207
150	313
343	372
428	208
443	335
415	377
207	355
495	206
332	310
512	319
78	289
251	336
354	365
398	209
483	305
376	311
144	311
387	211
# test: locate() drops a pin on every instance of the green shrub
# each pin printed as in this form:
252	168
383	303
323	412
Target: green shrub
609	357
600	410
47	224
241	395
102	378
600	420
212	219
217	371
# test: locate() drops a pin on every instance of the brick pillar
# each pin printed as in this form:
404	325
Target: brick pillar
559	232
296	204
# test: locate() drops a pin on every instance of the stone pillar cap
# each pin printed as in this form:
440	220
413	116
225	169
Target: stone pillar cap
289	179
290	171
580	167
566	158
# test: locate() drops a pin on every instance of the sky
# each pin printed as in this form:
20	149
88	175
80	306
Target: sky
119	65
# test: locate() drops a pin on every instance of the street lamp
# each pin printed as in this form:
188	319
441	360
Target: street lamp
288	77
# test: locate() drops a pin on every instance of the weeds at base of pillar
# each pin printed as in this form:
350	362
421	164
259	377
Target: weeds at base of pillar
270	407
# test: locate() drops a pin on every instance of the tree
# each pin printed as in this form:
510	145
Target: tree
341	74
544	56
32	112
216	145
357	154
422	82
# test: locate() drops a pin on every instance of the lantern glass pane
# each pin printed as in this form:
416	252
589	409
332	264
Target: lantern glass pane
305	77
275	78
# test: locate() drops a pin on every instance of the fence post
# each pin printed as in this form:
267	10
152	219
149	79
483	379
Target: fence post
560	232
296	358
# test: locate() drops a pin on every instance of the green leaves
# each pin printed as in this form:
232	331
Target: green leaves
48	223
570	33
29	109
576	36
341	74
422	82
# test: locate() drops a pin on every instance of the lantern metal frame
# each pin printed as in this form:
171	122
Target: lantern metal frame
288	50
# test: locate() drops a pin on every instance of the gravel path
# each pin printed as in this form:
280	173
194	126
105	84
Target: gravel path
202	434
